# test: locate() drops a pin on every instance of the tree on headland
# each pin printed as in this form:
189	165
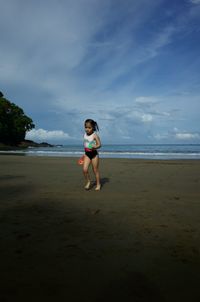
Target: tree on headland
13	122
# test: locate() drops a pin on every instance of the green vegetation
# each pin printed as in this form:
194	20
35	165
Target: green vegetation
13	123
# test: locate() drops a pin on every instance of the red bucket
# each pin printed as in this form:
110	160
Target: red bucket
81	160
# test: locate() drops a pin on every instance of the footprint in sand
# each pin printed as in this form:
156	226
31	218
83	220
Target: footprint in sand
94	212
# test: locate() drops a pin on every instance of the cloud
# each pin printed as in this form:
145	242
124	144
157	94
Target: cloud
45	52
161	39
146	118
195	1
178	136
45	135
129	114
187	136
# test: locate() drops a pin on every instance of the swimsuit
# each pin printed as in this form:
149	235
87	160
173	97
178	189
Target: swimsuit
89	142
91	154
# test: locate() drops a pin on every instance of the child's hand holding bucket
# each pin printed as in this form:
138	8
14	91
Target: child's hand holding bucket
81	160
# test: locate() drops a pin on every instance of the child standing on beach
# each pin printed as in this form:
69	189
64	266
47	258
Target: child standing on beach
91	144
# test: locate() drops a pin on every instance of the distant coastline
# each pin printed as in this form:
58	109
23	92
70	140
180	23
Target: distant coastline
24	145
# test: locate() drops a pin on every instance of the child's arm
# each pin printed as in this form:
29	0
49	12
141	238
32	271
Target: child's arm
98	142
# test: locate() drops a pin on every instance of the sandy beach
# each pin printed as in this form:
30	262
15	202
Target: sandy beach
138	239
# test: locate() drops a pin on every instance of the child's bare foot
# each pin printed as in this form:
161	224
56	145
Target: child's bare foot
98	188
87	186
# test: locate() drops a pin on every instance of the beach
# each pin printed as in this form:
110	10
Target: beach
138	239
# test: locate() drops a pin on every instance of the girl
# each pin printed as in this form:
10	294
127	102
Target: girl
91	144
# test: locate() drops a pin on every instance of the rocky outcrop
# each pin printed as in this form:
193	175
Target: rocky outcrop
25	144
29	143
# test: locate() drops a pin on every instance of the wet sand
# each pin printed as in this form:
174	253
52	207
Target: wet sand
138	239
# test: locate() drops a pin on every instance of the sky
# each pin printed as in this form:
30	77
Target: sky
131	65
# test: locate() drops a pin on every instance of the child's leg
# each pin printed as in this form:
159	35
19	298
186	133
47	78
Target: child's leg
86	164
95	166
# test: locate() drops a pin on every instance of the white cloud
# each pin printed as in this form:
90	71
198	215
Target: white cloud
187	136
140	116
178	135
195	1
163	38
145	100
45	135
146	118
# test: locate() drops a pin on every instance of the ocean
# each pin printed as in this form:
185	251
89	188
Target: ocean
164	152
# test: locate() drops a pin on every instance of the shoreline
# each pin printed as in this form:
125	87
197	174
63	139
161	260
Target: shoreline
135	240
152	152
102	156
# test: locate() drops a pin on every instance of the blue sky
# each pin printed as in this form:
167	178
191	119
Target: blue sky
131	65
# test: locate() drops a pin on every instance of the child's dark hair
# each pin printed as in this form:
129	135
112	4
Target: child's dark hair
93	124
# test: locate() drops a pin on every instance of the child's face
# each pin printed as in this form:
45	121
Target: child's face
88	128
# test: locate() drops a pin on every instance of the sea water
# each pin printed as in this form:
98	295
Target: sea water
154	151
